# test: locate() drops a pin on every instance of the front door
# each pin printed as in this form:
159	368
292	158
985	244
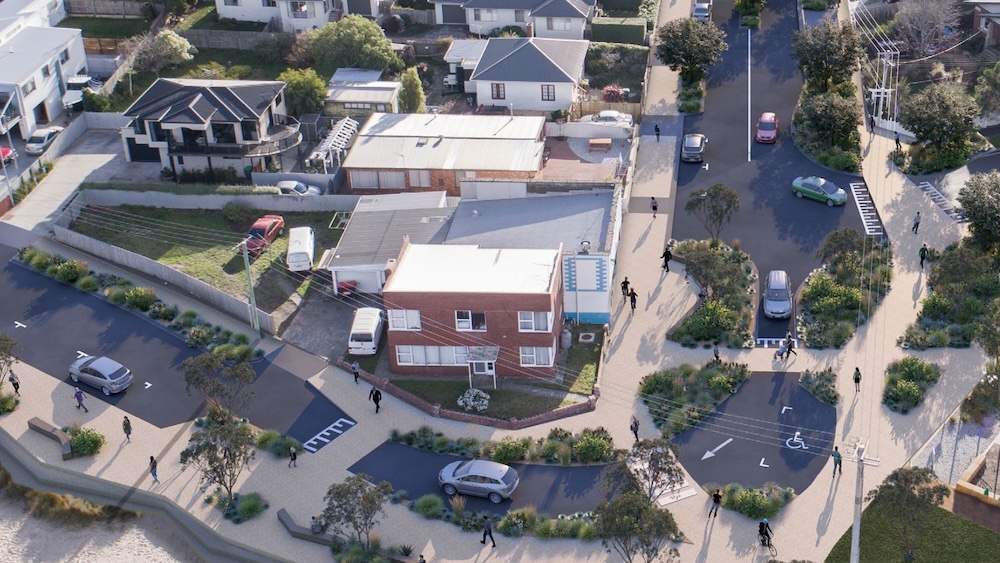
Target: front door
483	368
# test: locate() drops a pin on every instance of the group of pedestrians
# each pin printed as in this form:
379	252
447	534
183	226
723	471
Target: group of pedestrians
628	292
785	349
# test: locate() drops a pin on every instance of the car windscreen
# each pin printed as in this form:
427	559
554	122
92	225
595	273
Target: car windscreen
462	468
36	140
361	337
829	187
692	143
257	233
509	477
777	295
766	126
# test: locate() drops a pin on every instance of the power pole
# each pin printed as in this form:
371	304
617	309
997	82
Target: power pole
859	495
254	319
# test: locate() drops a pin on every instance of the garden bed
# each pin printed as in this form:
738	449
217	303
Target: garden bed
822	385
616	63
504	404
592	445
840	151
765	502
906	382
678	398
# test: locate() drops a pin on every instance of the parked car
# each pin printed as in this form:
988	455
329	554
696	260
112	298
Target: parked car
479	477
819	189
7	154
104	373
609	117
293	187
41	140
702	12
693	148
777	295
767	128
263	232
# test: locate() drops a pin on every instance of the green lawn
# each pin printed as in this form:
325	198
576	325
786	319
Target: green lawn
206	17
107	27
581	363
945	537
201	244
504	404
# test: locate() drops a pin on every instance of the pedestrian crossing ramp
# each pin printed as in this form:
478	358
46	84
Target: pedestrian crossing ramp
942	202
866	207
328	434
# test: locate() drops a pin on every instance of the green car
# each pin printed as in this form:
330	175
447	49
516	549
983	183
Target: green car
819	189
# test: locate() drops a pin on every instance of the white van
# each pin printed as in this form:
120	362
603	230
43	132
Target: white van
300	249
366	332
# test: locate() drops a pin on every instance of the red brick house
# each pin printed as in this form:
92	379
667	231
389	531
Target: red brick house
466	310
986	18
405	152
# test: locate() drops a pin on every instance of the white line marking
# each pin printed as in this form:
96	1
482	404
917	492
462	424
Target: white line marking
711	453
325	435
148	385
749	126
762	463
784	408
80	354
19	325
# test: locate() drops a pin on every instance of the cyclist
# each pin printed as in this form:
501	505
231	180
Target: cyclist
764	529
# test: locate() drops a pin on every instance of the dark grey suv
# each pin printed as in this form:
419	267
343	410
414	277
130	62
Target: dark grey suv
479	477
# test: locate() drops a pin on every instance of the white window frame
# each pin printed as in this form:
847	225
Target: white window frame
564	24
404	319
527	321
46	71
269	3
64	56
984	23
392	179
530	356
404	351
465	321
364	179
519	16
484	15
28	87
305	10
420	178
232	2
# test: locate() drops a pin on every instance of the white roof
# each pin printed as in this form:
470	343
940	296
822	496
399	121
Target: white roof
355	75
367	92
434	268
415	153
465	51
30	48
403	201
448	125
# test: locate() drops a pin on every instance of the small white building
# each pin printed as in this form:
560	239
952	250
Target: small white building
530	73
462	57
357	92
292	16
551	19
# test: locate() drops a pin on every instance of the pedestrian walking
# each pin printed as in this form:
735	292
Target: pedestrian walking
653	205
871	124
634	427
79	400
357	370
488	530
422	560
152	468
656	129
788	334
790	342
16	383
127	428
715	350
667	255
716	501
857	380
375	396
631	298
780	352
292	456
625	284
899	146
837	461
916	223
923	255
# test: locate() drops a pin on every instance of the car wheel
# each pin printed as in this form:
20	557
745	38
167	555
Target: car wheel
495	498
106	391
798	195
829	203
74	377
450	490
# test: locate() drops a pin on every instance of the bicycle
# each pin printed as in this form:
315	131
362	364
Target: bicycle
766	541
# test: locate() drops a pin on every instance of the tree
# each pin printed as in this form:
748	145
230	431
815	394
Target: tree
827	53
689	46
650	467
842	241
8	357
411	96
304	90
164	50
988	90
988	333
980	201
921	23
906	498
835	116
714	207
95	102
353	42
354	506
229	390
221	451
942	115
630	525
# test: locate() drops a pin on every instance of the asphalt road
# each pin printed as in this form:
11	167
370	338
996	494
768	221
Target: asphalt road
778	230
551	489
55	323
752	436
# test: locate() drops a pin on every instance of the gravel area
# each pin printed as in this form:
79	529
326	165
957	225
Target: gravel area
953	448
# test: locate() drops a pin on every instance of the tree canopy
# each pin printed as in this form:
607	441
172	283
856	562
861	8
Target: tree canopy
304	91
353	42
841	241
835	116
225	386
906	498
714	207
411	95
8	357
650	467
827	53
988	90
921	23
941	114
630	525
221	451
980	201
354	507
165	49
689	46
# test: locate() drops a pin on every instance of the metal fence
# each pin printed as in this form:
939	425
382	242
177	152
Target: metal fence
98	8
202	291
114	198
225	39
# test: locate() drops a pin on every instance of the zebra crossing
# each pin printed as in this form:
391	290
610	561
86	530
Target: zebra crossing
328	434
942	202
866	207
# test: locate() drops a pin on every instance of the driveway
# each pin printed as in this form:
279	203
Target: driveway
552	489
779	231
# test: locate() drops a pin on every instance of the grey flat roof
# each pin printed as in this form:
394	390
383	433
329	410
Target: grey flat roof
373	238
24	53
534	222
465	50
355	75
399	202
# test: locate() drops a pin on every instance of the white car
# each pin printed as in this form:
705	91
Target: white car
293	187
104	373
609	117
41	140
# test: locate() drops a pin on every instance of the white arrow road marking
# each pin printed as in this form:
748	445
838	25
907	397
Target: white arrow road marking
711	453
783	409
80	354
148	385
762	464
20	325
704	166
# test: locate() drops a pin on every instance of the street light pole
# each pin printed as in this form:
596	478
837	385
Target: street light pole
859	494
254	319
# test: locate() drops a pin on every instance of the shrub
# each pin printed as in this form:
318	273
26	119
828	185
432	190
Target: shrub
509	450
429	506
754	503
87	283
241	339
250	505
591	449
71	270
679	397
40	261
613	93
115	295
814	5
237	215
588	532
160	311
241	353
935	307
984	400
474	400
399	495
199	337
689	106
907	380
457	503
546	529
8	403
281	446
140	298
85	441
709	322
822	384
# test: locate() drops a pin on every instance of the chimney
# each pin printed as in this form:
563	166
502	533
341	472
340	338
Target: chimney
530	29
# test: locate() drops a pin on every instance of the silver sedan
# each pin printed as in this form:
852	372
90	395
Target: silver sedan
104	373
479	477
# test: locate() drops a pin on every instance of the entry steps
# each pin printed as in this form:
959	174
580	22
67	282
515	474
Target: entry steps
676	493
328	434
942	202
866	207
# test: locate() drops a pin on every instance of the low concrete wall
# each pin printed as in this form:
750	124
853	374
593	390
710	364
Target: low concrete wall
269	202
577	130
28	471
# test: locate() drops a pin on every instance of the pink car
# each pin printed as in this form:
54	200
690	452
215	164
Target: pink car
767	128
7	154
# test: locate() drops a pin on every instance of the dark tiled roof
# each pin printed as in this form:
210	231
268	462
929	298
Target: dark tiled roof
172	100
531	60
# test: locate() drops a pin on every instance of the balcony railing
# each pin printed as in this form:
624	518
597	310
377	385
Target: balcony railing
281	136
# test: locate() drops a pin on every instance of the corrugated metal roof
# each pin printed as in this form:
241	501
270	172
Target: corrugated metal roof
458	126
24	53
369	92
531	60
373	238
435	153
399	202
465	50
470	269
